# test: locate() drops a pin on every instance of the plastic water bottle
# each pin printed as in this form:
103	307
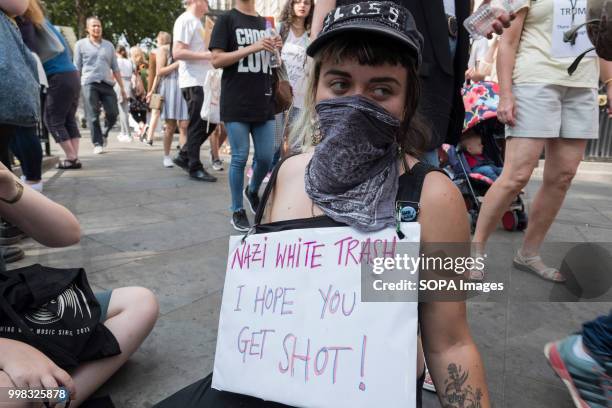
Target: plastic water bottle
275	58
479	23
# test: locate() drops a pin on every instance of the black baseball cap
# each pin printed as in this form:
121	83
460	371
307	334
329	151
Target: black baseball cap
385	18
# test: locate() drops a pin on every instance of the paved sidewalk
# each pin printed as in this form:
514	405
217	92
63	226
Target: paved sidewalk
146	225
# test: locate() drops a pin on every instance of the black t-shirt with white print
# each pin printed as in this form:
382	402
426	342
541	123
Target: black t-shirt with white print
246	87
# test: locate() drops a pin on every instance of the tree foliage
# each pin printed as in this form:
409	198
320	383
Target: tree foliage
136	19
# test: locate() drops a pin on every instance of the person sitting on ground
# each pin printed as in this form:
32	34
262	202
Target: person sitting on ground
363	94
476	159
129	313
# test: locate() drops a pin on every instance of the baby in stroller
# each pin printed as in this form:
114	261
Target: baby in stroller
476	162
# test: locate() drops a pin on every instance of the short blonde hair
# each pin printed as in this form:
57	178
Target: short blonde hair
137	56
35	13
165	38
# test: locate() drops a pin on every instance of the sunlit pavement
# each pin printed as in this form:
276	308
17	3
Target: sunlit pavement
145	225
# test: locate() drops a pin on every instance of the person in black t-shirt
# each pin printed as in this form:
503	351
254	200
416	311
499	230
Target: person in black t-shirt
129	312
241	47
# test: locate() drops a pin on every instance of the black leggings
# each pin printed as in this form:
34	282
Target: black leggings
6	134
26	146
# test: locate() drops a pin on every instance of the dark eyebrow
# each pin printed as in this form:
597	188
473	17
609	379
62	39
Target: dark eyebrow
338	72
384	79
374	80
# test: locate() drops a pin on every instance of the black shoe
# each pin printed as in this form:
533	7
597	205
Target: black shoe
202	175
11	254
252	198
240	221
180	162
10	234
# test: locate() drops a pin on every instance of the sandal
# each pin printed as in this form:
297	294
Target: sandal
534	264
476	274
69	164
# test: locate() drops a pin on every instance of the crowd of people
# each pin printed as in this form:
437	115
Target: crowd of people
404	82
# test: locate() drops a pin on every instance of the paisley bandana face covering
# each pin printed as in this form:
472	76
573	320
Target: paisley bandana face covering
353	175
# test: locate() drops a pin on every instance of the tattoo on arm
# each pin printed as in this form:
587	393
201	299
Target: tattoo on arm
455	393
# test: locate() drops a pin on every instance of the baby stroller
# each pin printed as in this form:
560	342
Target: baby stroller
481	101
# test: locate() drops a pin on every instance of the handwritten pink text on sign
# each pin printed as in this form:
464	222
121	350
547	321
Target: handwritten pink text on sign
293	329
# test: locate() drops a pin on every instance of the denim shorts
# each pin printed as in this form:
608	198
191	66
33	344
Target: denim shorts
104	299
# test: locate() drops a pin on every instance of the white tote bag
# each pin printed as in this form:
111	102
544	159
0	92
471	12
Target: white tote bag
212	95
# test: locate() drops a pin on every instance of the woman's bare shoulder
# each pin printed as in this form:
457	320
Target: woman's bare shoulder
293	166
443	213
289	199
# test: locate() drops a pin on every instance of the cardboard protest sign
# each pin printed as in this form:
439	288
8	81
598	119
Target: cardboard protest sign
293	328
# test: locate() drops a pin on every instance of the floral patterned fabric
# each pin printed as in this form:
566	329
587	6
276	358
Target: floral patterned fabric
480	100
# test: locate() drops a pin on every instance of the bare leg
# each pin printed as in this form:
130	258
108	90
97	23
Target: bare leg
169	135
522	155
155	115
75	145
420	357
69	150
214	144
131	315
562	159
183	124
222	134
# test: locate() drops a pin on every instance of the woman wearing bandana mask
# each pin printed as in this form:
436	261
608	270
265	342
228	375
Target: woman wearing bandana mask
361	153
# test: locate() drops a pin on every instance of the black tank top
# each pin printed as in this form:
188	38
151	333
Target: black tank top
409	194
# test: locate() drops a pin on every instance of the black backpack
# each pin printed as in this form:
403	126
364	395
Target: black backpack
56	312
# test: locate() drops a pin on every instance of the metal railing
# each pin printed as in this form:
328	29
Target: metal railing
601	149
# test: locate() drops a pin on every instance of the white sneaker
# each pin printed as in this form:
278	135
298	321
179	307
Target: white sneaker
98	150
168	162
123	138
36	186
217	165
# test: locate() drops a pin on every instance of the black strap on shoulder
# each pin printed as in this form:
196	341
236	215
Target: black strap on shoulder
411	182
263	202
410	185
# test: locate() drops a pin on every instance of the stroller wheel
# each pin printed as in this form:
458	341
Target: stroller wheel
522	220
510	220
